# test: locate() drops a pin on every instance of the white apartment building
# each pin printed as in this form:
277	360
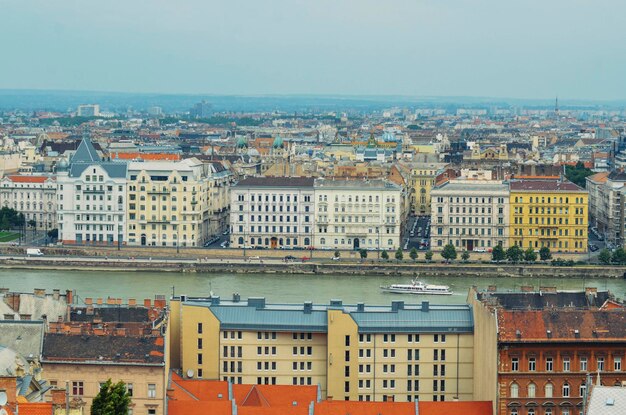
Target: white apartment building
34	196
167	203
91	199
272	212
470	214
358	214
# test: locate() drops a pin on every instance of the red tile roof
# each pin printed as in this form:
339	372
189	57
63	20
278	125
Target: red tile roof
456	408
544	186
533	325
35	408
146	156
28	179
364	408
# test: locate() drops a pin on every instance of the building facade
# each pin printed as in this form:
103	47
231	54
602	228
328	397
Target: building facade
91	199
272	212
167	203
358	214
423	171
34	196
470	214
607	205
354	352
549	213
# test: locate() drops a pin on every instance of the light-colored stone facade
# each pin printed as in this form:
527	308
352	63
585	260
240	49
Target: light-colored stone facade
34	196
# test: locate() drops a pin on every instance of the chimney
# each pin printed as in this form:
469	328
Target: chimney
159	302
397	305
147	303
40	292
58	397
308	307
88	301
56	294
110	301
132	302
236	297
99	301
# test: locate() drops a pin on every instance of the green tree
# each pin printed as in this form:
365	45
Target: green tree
449	252
399	254
413	254
465	256
32	223
605	256
53	233
498	253
337	254
514	254
578	173
384	255
363	253
619	256
545	254
428	255
113	399
530	255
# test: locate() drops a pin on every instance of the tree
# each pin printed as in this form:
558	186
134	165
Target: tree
578	174
32	223
399	254
545	254
413	254
53	233
465	256
619	256
514	254
363	253
385	255
337	254
113	399
449	252
605	256
428	255
530	255
498	253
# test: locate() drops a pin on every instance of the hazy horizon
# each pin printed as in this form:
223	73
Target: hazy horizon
533	50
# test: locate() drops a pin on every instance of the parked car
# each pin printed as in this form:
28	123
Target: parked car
290	258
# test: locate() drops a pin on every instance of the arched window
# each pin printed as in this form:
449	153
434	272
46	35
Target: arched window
514	390
267	241
514	411
566	390
241	240
323	241
531	411
549	390
259	241
548	411
390	242
531	390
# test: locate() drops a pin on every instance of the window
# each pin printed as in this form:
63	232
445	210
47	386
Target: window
549	390
600	363
514	364
77	388
566	390
549	364
199	328
532	364
583	364
583	389
531	390
566	364
151	390
514	393
129	389
617	364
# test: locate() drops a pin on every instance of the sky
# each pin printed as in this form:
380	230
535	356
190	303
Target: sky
535	49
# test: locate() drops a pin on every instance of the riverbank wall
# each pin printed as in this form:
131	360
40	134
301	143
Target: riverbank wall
317	268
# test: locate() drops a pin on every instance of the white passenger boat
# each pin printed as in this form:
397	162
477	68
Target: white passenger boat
417	287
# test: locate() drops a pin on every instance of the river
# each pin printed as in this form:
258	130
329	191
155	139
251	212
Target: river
283	288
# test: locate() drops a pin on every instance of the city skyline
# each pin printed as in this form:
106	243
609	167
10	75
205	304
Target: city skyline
531	50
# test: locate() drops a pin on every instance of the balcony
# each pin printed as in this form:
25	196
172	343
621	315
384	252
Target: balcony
159	192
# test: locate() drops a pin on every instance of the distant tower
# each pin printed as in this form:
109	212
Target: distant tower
556	107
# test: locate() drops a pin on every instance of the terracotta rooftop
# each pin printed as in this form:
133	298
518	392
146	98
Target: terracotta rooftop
553	325
146	156
599	177
29	179
544	186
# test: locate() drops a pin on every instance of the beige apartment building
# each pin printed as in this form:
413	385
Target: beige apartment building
168	203
358	214
472	215
34	196
403	352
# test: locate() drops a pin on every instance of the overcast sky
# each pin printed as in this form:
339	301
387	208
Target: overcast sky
492	48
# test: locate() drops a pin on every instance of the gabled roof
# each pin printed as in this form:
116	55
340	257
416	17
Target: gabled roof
86	153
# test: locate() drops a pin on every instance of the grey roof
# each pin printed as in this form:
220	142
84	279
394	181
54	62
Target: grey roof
368	184
25	337
545	299
276	182
115	169
607	400
255	314
460	188
86	152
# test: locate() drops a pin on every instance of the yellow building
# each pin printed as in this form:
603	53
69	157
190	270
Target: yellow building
423	171
548	212
167	203
356	352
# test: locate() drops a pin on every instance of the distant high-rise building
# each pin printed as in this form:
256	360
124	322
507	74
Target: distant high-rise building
88	110
201	110
155	111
